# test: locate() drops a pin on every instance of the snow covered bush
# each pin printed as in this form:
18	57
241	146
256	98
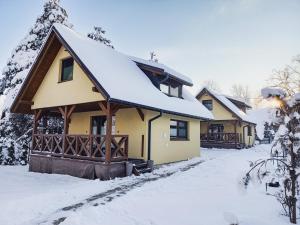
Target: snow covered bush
15	129
284	162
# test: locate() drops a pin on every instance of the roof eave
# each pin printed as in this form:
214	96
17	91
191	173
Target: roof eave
114	100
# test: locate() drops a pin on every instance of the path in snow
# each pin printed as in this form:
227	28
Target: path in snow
188	192
105	197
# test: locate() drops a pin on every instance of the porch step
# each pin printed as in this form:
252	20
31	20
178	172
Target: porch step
141	166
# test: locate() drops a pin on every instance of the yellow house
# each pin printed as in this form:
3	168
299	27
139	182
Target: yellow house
99	113
231	127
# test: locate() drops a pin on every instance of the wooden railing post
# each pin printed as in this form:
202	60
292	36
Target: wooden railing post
108	133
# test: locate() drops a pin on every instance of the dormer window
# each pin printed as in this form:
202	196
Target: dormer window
171	90
164	88
67	69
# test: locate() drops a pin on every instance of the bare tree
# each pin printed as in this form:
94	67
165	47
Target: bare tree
284	161
241	92
288	78
211	85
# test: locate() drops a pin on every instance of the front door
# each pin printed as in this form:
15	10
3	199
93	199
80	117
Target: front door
98	125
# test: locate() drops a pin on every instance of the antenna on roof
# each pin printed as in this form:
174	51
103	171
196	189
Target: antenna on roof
153	57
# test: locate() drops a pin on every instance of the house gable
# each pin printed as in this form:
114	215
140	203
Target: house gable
53	93
219	111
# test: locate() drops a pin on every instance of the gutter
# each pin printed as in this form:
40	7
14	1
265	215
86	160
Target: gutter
149	133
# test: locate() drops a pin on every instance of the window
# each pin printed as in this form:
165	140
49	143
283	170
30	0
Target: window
67	69
164	88
174	91
178	130
171	90
208	104
249	131
216	128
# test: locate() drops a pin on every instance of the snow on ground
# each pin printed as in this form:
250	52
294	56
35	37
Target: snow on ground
208	193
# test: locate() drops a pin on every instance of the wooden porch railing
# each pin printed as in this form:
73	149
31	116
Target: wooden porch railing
86	147
221	137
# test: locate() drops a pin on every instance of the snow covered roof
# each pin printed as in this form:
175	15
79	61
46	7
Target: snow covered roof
229	105
165	68
121	80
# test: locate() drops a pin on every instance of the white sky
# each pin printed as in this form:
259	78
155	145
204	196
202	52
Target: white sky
230	41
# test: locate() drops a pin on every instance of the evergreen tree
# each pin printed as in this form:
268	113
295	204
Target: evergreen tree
98	35
15	129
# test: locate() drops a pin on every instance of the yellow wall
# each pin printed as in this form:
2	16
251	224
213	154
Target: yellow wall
248	140
128	122
219	112
54	93
164	150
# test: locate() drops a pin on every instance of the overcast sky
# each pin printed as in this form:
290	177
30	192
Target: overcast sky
230	41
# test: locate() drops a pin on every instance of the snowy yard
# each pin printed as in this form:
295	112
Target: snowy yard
202	191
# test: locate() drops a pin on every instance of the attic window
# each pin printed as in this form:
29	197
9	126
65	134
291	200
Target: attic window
67	69
171	90
208	104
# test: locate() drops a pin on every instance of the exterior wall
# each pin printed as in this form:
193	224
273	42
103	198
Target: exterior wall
247	140
81	122
54	93
219	112
164	150
128	122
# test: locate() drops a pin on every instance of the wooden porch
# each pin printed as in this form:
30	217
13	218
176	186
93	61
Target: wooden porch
222	140
83	155
83	147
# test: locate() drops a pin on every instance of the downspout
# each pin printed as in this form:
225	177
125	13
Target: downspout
149	133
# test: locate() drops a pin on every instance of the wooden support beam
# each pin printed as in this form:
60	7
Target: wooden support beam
36	118
143	146
235	131
103	107
94	89
71	111
66	113
108	138
25	102
140	112
115	109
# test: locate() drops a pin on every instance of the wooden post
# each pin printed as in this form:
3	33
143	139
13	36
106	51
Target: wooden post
207	132
108	133
66	114
235	133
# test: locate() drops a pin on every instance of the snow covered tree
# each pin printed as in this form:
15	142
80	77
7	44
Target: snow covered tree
16	129
98	35
284	161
